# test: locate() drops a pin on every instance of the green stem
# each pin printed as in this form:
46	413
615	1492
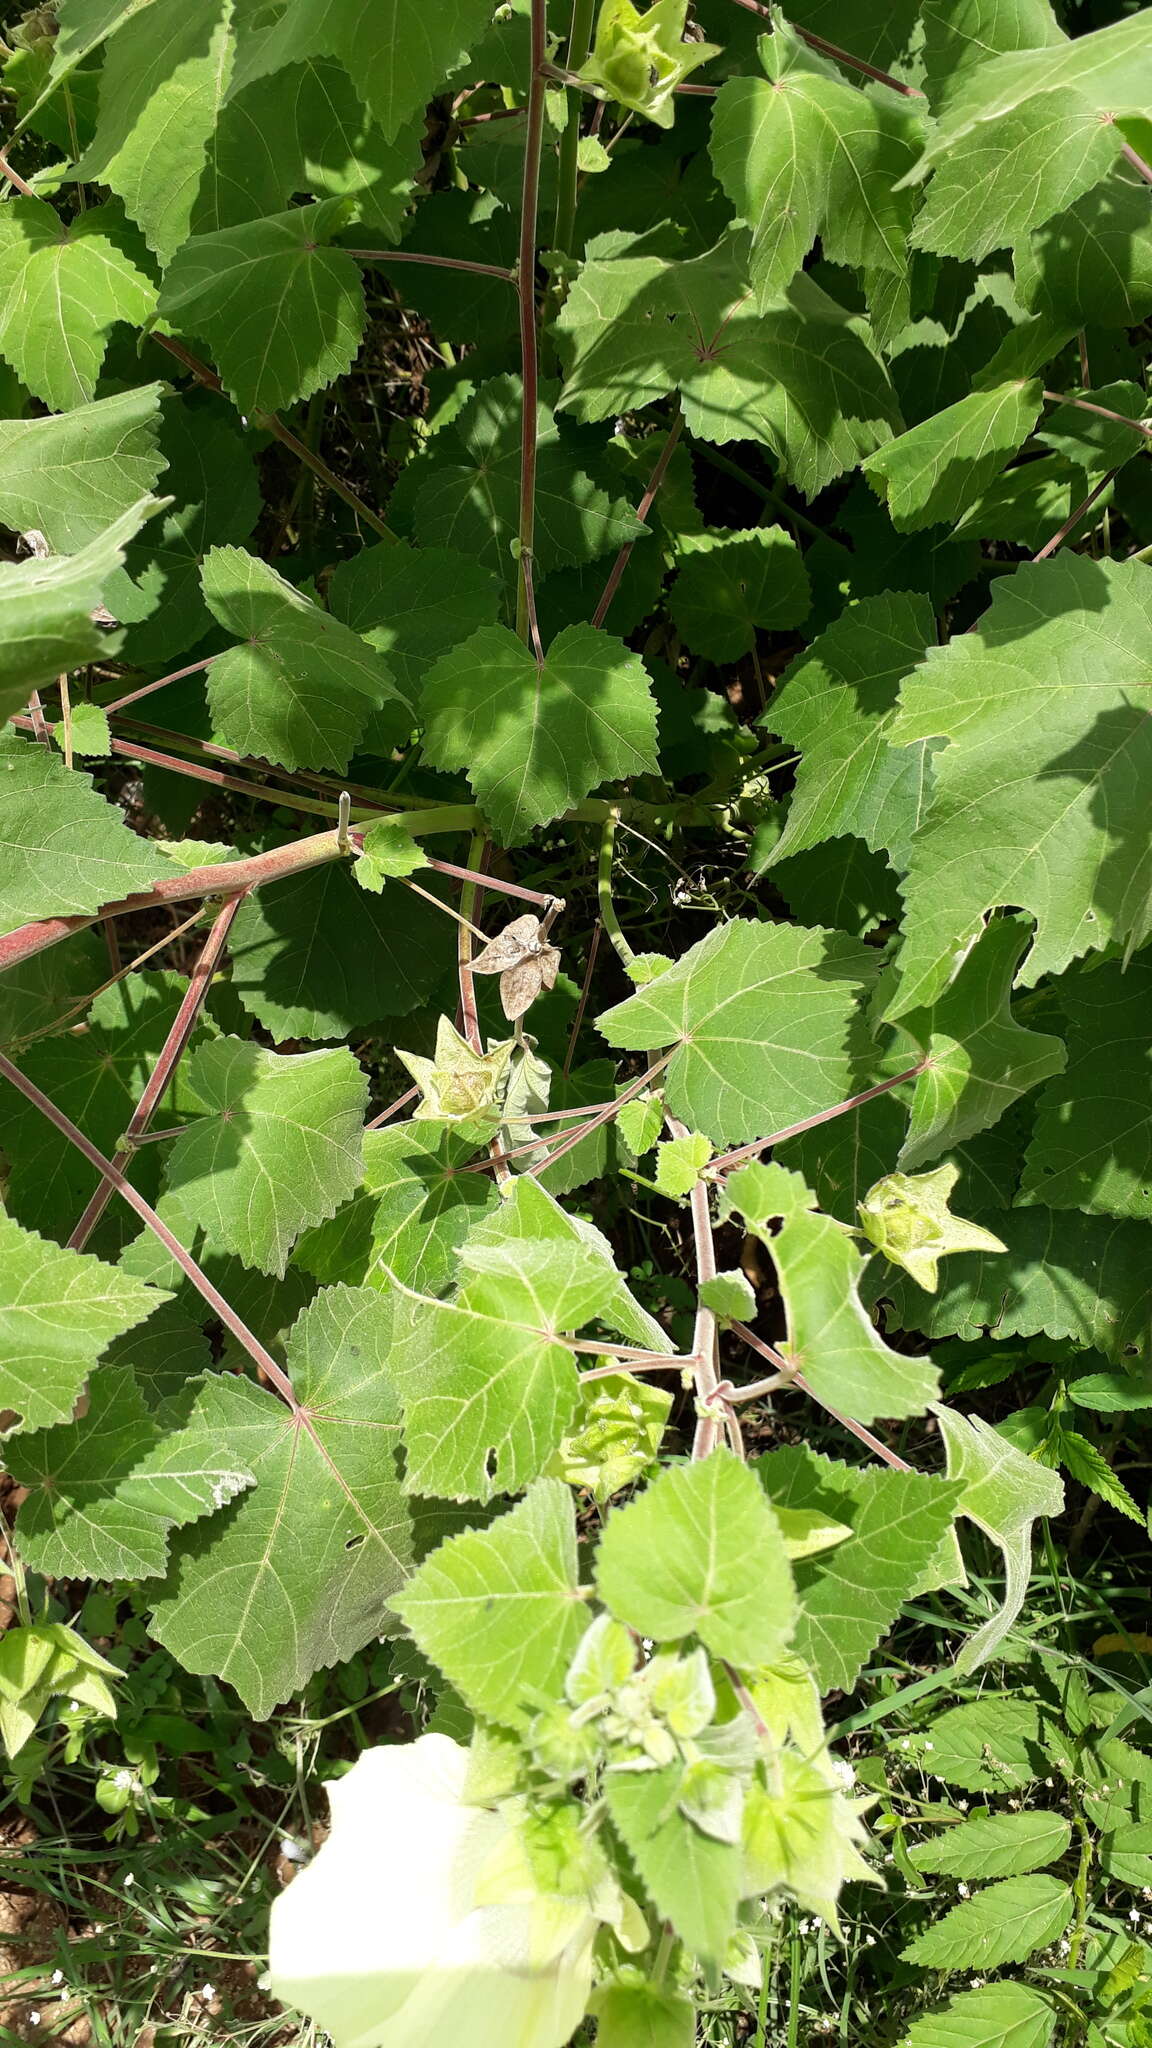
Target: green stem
727	467
608	917
579	44
529	340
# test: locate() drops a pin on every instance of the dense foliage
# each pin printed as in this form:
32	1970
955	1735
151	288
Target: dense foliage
575	893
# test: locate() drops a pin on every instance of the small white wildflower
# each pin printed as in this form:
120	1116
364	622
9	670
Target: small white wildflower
1065	1946
207	1993
122	1780
963	1890
963	1805
905	1744
929	1745
1048	1782
293	1851
1014	1805
869	1941
129	1879
33	2019
57	1976
977	1984
1133	1914
1146	1891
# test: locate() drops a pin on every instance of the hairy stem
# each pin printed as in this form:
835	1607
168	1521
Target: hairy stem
172	1051
608	917
642	511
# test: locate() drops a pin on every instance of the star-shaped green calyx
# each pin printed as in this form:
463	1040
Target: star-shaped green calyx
906	1216
459	1084
639	59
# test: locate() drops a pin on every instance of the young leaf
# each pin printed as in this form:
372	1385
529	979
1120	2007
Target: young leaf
850	1594
1003	2015
536	737
488	1393
46	607
280	310
994	1744
699	1552
301	687
730	584
106	1491
62	290
799	376
1109	71
837	703
989	190
1093	262
692	1879
1034	799
279	1148
530	1212
1092	1144
831	1341
640	2016
1088	1465
760	1017
1004	1923
499	1609
996	1845
980	1060
72	475
162	86
297	1573
1003	1493
65	850
58	1311
929	475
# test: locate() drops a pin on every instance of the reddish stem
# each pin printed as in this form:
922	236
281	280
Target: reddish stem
826	49
728	1160
1102	411
1074	518
447	867
148	689
438	262
15	179
797	1379
642	511
393	1109
173	1049
156	1224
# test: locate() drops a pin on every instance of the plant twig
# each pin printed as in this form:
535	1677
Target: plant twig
790	1374
149	689
172	1051
827	49
1102	411
15	179
642	511
529	343
436	262
728	1160
274	425
582	1005
608	917
1073	520
710	1418
187	1264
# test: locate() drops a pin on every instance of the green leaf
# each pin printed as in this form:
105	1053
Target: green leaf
1081	1277
278	1150
640	2016
529	1212
62	290
213	480
296	1575
58	1311
692	1879
761	1019
980	1060
301	687
801	153
1109	72
106	1491
1034	799
679	1164
282	313
995	1744
162	86
996	1845
1089	1467
388	853
413	605
72	475
500	1609
395	59
831	1341
614	1436
799	376
46	607
488	1394
850	1595
1002	1924
536	737
929	475
1003	2015
315	956
699	1552
729	584
1092	1143
837	703
729	1294
466	491
1004	1492
65	850
989	190
1094	262
96	1076
1093	442
38	991
410	1217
